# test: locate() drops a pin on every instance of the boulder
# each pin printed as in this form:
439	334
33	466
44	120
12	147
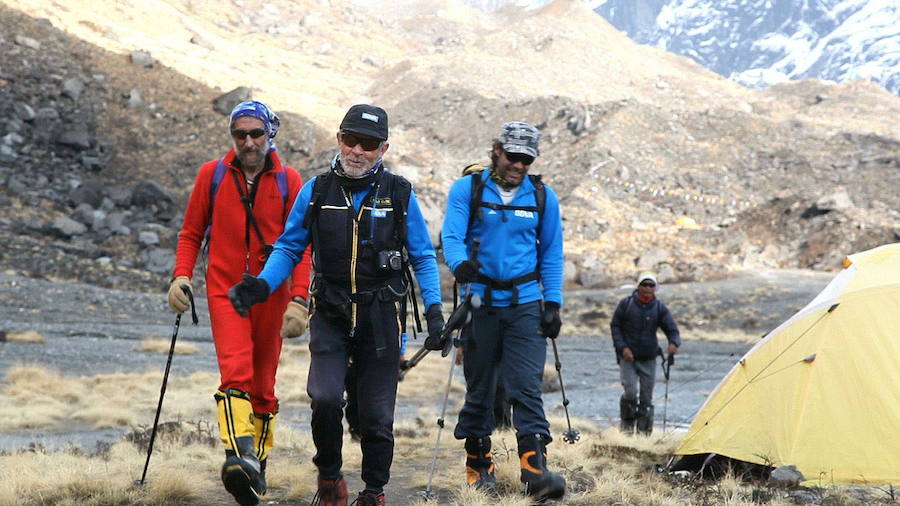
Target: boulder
67	227
223	104
142	58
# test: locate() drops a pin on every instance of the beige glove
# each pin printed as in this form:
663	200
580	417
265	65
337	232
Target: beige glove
296	317
178	300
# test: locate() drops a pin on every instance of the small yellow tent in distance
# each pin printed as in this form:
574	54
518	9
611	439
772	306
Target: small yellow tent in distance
822	390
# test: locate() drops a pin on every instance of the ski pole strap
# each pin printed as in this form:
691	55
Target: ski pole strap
187	291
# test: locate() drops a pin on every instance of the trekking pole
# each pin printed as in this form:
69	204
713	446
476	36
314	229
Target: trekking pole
667	362
162	391
572	435
437	442
414	361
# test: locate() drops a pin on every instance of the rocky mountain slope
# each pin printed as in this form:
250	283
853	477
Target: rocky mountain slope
658	162
764	42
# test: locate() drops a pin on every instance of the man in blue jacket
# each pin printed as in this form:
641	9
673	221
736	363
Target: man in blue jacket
633	326
358	218
514	225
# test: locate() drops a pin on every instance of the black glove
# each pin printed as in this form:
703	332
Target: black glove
435	319
467	272
550	321
251	290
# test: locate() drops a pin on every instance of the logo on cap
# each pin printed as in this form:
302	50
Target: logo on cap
370	117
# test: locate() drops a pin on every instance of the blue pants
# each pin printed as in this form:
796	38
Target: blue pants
376	387
504	342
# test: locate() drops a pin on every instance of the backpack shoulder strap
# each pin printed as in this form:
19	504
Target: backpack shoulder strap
540	200
218	174
315	202
400	195
475	198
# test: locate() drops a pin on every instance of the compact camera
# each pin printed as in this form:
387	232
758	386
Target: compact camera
390	260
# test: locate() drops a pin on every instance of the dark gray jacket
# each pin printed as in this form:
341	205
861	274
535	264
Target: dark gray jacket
634	326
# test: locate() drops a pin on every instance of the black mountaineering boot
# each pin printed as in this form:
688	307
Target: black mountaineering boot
480	464
628	414
540	483
645	419
241	472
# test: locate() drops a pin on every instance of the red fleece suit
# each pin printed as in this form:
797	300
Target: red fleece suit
248	349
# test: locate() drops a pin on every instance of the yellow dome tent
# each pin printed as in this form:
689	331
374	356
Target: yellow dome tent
822	390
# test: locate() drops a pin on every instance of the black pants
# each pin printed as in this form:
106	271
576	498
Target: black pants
330	346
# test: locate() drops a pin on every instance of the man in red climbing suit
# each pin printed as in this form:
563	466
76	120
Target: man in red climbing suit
239	205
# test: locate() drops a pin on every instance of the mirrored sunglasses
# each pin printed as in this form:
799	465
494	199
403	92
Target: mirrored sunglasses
240	135
519	157
367	143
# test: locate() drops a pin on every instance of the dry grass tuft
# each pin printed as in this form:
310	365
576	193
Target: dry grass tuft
28	336
161	346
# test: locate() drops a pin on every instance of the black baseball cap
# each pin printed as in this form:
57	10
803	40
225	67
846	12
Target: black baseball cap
365	119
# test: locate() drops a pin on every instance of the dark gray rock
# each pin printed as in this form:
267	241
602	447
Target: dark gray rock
84	213
93	163
75	137
115	221
150	193
786	475
159	260
148	238
119	195
72	88
223	104
90	192
67	227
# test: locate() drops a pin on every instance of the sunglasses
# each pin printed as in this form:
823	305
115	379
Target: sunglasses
519	157
240	135
367	143
650	285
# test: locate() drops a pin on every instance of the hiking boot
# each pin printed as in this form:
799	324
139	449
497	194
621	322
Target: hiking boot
480	464
369	498
540	483
628	414
644	421
331	493
241	473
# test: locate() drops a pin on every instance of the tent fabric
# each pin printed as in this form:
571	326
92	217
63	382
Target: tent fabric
822	390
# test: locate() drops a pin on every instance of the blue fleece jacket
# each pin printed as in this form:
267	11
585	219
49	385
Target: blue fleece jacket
293	241
509	243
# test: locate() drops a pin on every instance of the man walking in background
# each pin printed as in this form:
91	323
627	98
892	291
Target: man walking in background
512	220
362	224
239	205
633	326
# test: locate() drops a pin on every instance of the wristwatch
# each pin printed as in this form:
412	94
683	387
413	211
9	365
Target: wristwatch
300	300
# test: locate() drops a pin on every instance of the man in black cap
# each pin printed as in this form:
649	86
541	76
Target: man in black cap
363	224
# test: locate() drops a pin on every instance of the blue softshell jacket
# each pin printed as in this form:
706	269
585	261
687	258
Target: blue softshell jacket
509	243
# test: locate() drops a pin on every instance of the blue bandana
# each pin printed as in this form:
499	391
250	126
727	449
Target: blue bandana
261	112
